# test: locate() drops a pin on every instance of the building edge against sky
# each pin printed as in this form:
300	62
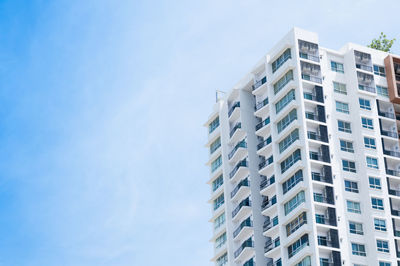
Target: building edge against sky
305	160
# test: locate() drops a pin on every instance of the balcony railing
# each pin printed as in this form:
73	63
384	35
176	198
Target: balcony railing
311	78
240	164
271	223
297	249
263	123
241	144
236	104
387	133
268	203
319	177
364	67
312	116
309	57
244	183
394	192
320	198
246	244
267	182
245	202
292	162
271	244
275	263
324	241
259	83
264	143
309	96
387	114
392	153
313	135
366	88
237	126
248	222
261	104
392	172
395	212
265	163
316	156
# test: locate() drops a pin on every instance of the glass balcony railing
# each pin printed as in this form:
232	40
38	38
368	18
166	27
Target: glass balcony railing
246	223
236	127
271	244
309	57
259	83
311	78
267	182
263	123
233	107
364	67
240	164
319	177
297	249
261	104
391	153
366	88
246	244
392	172
264	143
271	223
313	135
243	183
241	144
387	114
394	192
265	163
268	203
244	203
388	133
309	96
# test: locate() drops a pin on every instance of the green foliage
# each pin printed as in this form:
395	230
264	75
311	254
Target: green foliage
382	43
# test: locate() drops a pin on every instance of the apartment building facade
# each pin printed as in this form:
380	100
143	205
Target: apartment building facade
305	160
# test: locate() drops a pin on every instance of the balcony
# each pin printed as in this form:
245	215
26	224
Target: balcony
364	67
259	83
267	182
394	192
243	186
328	217
246	224
242	145
365	82
266	163
266	204
363	61
239	170
245	245
261	104
309	57
263	124
270	223
309	51
244	203
391	153
387	114
387	133
234	107
264	143
236	127
320	177
271	244
316	115
311	78
392	172
366	88
395	212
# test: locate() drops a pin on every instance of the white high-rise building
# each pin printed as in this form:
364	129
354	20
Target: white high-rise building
305	159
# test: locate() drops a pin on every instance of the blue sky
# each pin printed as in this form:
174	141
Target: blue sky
102	106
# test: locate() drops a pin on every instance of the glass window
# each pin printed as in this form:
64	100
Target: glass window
290	96
290	160
296	223
283	81
358	249
344	126
216	163
217	183
337	67
351	186
364	104
372	162
384	263
339	88
379	70
213	125
383	91
353	206
294	202
382	246
342	107
220	241
305	262
375	182
369	143
292	181
377	203
281	60
349	166
282	124
356	228
346	146
294	248
286	142
367	123
219	221
215	145
223	260
380	224
219	201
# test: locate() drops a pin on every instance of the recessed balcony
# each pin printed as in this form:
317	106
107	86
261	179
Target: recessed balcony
270	245
363	61
261	108
244	251
264	148
244	229
366	82
308	51
260	86
269	224
238	151
239	171
263	128
266	166
242	189
243	209
267	182
234	111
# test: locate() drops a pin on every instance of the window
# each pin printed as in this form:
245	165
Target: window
384	263
358	249
380	224
219	201
292	181
346	146
281	125
290	96
216	163
296	223
367	123
290	160
294	202
349	166
294	248
379	70
217	183
372	162
375	182
324	262
220	220
220	241
213	125
339	88
223	260
377	203
337	67
383	91
286	142
353	206
344	126
356	228
215	145
281	60
382	246
369	143
305	262
342	107
351	186
364	104
283	81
